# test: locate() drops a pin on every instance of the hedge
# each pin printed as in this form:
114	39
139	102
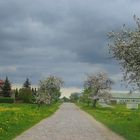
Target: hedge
7	100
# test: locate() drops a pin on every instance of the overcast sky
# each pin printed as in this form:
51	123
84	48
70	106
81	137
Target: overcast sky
66	38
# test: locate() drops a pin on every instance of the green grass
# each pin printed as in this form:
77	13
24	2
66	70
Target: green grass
16	118
119	119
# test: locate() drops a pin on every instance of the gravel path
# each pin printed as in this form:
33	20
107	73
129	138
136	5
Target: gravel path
69	123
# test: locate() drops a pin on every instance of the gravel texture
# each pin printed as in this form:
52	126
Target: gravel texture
69	123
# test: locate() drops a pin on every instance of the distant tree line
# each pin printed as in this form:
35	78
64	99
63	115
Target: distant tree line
48	91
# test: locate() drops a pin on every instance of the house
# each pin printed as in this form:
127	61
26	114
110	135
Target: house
1	85
124	98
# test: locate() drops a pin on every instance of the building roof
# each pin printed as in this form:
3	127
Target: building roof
1	82
126	95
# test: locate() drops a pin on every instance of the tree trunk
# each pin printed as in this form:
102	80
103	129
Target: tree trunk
94	103
88	103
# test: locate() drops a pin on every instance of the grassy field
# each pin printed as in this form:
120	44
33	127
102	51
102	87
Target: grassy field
16	118
121	120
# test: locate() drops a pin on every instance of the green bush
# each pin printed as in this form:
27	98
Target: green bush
6	100
25	94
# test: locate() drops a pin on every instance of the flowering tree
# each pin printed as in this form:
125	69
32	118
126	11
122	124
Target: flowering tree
125	47
49	90
98	86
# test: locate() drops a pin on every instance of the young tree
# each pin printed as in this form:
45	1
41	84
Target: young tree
25	94
27	84
98	86
49	90
6	89
65	99
16	92
74	97
86	96
125	47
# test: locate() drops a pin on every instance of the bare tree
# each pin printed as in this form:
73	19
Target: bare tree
125	47
98	85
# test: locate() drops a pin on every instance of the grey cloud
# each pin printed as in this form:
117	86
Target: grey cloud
66	38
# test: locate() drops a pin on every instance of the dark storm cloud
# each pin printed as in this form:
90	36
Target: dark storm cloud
66	37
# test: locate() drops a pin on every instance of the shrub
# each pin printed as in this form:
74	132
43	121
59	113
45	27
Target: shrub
7	100
25	94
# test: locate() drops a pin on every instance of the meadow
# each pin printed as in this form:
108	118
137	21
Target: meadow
119	119
16	118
